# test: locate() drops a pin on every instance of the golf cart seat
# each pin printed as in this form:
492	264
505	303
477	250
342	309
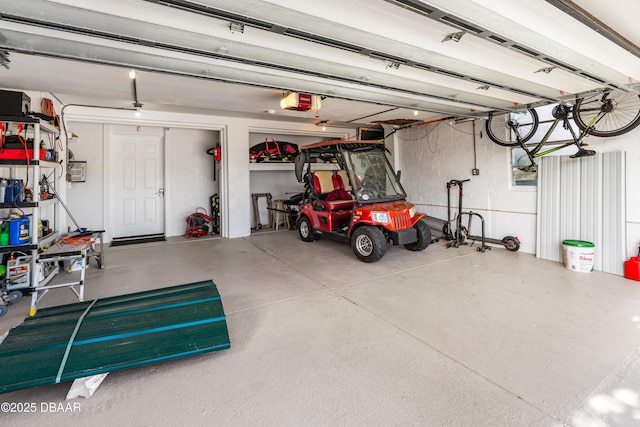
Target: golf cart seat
325	182
343	180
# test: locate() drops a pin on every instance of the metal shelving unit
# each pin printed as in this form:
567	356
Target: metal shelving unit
33	167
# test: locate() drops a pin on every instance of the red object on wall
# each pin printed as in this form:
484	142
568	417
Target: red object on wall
632	268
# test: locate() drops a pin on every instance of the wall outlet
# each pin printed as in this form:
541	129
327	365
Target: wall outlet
475	171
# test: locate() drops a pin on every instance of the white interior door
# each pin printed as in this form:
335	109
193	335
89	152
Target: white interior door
137	183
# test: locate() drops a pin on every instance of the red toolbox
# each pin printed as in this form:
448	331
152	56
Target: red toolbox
20	154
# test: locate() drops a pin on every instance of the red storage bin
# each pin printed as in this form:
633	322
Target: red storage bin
20	154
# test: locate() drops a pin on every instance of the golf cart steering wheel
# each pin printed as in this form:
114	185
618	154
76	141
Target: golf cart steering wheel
371	187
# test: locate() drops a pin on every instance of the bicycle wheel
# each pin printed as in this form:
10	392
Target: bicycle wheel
621	112
500	127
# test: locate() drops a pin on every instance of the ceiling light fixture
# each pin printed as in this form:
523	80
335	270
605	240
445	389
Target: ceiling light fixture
236	27
415	112
323	123
454	37
136	104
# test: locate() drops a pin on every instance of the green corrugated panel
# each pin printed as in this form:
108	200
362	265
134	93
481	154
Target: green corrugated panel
88	338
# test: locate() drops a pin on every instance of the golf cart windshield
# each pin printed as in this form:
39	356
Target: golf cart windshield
371	175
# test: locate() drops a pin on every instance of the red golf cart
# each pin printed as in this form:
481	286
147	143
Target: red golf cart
360	202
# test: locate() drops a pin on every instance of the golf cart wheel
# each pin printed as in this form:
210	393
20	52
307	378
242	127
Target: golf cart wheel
511	243
424	237
369	243
306	230
3	310
15	296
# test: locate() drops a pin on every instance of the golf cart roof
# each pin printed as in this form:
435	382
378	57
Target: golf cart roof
327	145
328	151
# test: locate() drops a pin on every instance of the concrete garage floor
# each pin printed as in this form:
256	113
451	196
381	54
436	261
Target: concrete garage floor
445	337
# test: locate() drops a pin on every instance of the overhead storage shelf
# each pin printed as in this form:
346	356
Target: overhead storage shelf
283	166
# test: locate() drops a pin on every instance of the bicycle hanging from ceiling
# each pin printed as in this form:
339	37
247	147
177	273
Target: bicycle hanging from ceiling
604	114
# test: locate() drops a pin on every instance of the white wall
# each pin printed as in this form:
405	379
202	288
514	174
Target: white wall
432	155
189	180
85	199
188	174
185	160
280	180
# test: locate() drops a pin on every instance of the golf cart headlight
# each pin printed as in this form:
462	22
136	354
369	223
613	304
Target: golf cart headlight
412	212
381	217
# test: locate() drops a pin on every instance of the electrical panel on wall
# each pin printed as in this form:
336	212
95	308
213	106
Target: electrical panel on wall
77	171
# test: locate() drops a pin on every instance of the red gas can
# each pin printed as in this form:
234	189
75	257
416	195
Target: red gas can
632	268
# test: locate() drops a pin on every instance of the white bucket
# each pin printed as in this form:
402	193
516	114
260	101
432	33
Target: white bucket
578	255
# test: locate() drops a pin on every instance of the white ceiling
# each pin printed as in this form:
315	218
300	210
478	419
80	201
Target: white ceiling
369	59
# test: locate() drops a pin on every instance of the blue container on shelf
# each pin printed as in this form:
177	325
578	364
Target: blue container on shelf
8	192
14	193
19	230
18	191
